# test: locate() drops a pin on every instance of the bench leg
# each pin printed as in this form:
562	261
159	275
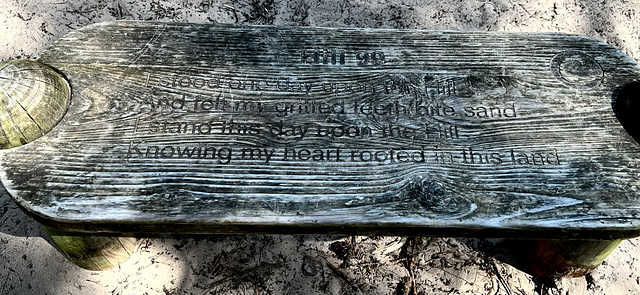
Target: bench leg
93	252
568	258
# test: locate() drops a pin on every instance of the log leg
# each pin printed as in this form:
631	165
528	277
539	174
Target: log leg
93	252
568	258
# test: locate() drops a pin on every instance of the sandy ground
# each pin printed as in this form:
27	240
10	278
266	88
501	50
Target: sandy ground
280	264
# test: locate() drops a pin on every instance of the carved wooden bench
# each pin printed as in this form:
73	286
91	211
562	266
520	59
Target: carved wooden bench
200	128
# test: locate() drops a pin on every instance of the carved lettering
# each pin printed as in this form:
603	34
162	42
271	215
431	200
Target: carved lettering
323	124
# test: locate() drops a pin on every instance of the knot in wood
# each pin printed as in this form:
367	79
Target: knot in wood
33	99
437	202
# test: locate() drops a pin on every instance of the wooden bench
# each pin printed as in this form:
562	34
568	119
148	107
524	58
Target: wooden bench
202	128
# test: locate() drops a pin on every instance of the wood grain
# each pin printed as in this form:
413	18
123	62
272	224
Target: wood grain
93	252
394	132
568	258
33	98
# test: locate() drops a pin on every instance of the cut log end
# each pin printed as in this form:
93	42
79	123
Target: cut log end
568	258
626	104
93	252
33	99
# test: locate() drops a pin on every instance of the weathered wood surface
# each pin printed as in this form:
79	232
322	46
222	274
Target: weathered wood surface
93	252
567	258
218	128
33	98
